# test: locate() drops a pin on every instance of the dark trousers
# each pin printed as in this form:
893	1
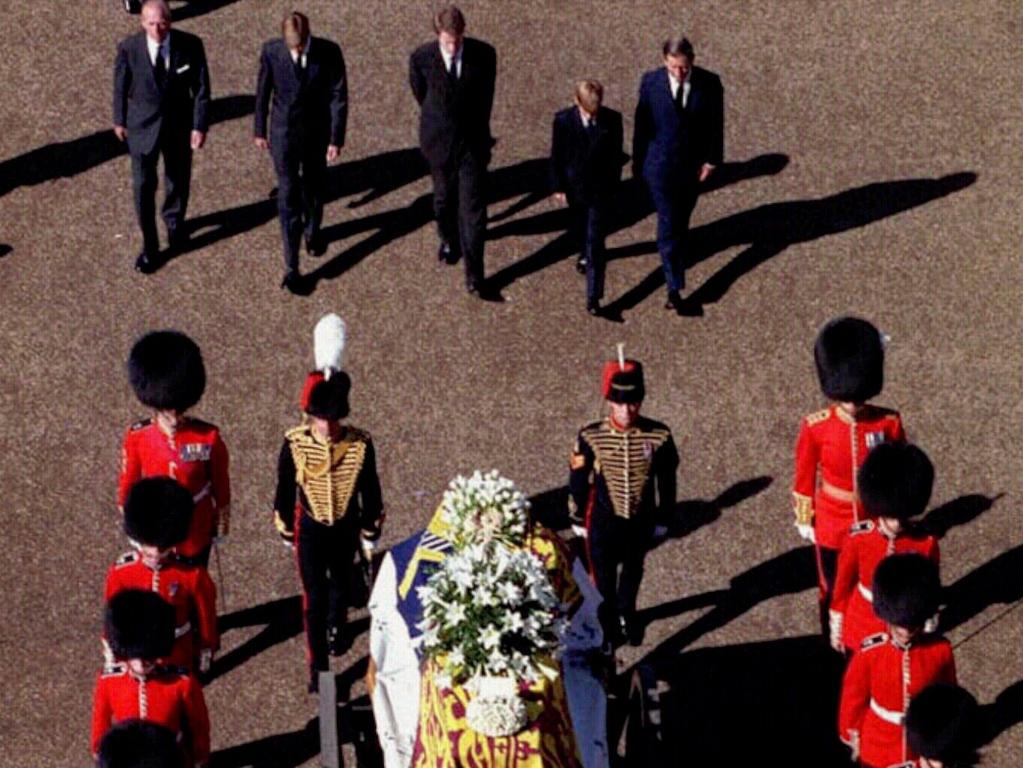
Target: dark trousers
460	207
827	570
301	185
325	554
615	541
674	204
588	224
177	178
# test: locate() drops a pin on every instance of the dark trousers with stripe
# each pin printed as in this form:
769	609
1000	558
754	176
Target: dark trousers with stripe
616	542
325	555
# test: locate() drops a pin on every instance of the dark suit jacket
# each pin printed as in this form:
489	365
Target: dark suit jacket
145	109
313	109
587	168
666	144
454	117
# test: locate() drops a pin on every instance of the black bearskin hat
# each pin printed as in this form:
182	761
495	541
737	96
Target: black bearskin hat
895	481
139	625
158	512
166	371
139	744
850	360
906	590
329	398
941	724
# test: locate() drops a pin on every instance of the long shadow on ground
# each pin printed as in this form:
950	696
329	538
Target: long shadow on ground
770	229
70	158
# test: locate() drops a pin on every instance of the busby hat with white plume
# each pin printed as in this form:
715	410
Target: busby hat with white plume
906	590
139	744
329	398
158	512
139	625
850	360
895	481
166	371
329	338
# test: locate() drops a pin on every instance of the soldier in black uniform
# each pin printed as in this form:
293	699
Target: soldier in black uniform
621	484
332	468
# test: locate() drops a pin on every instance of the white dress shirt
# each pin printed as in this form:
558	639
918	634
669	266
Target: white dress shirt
304	55
162	49
448	58
686	87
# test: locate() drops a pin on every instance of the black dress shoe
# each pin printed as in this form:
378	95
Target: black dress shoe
674	301
314	246
444	253
292	281
472	287
580	266
593	307
146	263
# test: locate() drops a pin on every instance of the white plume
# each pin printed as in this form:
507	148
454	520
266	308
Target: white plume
329	339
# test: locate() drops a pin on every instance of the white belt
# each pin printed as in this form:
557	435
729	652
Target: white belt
183	630
867	594
888	715
202	494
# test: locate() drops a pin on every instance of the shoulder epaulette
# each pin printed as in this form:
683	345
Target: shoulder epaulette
127	559
112	670
140	424
863	526
357	434
818	416
296	432
874	641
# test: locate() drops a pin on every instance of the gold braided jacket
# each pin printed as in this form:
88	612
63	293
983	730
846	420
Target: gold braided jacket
327	472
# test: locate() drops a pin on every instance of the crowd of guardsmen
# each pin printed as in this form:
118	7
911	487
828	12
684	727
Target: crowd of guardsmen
858	484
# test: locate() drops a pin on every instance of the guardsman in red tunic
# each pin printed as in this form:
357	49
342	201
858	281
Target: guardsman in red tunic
327	471
157	515
891	668
621	485
140	629
834	442
942	727
138	744
895	485
168	375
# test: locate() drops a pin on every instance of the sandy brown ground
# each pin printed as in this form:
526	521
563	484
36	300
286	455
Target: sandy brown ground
902	95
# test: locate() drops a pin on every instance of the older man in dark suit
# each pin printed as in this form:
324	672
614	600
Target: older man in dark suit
586	166
161	103
453	81
678	140
304	76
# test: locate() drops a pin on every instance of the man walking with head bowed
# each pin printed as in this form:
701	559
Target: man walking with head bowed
161	104
306	77
453	81
678	140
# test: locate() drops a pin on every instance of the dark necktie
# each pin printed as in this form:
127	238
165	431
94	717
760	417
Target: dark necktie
160	68
679	106
299	69
591	128
453	73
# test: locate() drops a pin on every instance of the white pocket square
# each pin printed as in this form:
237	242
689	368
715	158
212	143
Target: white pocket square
179	70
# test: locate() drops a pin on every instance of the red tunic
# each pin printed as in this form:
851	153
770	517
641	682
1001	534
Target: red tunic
166	696
865	548
879	683
188	588
195	456
833	445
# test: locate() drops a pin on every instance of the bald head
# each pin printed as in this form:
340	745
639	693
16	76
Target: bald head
156	19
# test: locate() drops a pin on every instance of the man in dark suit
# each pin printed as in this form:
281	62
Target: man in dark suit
161	103
306	76
586	166
678	140
453	81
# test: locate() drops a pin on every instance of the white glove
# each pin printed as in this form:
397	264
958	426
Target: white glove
290	545
931	625
854	745
205	660
806	531
835	630
368	547
579	530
